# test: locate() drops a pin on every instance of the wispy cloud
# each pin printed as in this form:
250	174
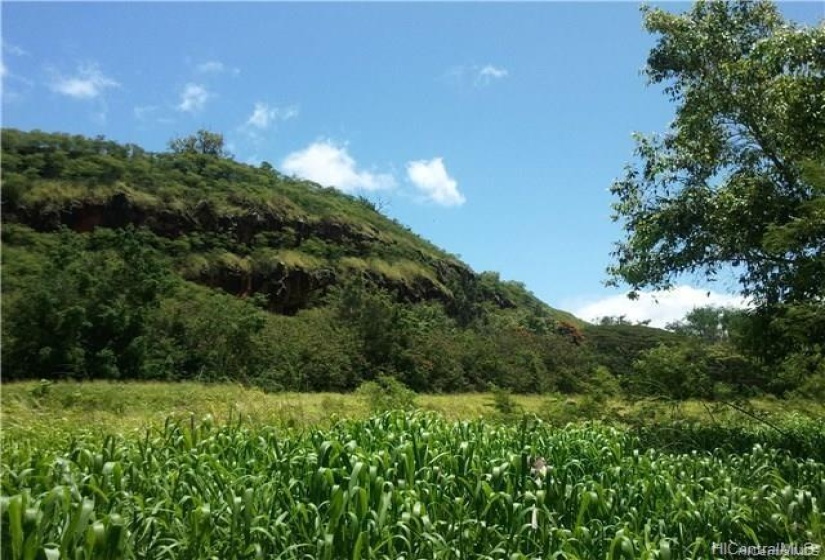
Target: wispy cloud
13	49
263	116
151	114
88	82
329	164
490	73
210	67
433	181
193	98
475	75
215	67
660	307
12	81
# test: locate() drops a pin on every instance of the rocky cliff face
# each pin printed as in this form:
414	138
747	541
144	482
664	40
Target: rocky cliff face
244	229
288	287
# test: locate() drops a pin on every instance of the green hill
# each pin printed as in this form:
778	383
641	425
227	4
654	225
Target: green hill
118	262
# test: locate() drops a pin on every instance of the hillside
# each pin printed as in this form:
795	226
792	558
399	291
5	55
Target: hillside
328	268
239	228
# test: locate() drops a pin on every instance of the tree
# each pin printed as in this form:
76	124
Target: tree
607	320
202	143
711	323
678	372
736	183
87	314
206	335
727	336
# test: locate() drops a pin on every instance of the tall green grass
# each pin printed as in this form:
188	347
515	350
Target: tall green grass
399	485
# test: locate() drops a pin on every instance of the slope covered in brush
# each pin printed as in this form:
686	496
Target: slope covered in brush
241	228
118	262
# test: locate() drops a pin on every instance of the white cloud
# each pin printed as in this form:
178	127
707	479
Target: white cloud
193	98
489	73
328	164
88	83
660	307
215	67
263	116
13	49
431	178
475	75
14	86
211	67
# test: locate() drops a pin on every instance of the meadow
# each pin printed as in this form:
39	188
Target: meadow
105	470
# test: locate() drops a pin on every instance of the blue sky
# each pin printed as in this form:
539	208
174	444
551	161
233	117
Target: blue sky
492	129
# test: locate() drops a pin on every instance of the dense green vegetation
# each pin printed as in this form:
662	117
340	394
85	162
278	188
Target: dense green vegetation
735	187
123	270
128	279
124	264
406	485
119	264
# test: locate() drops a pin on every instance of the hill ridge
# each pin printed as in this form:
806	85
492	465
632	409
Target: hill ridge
124	264
291	218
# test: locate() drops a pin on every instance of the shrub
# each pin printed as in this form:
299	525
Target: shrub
503	401
801	373
201	334
386	393
41	389
603	384
676	372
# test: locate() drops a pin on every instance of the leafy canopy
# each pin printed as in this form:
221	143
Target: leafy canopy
711	323
736	183
88	313
203	142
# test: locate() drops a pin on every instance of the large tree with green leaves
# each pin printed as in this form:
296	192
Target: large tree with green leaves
712	324
203	142
737	182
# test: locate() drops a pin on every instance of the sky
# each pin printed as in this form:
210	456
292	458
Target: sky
493	130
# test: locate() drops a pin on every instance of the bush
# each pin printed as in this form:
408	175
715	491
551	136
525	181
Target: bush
802	373
559	410
503	401
14	187
386	393
807	370
675	372
41	389
603	384
205	335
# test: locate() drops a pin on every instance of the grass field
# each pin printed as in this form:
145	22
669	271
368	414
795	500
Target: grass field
151	470
124	407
